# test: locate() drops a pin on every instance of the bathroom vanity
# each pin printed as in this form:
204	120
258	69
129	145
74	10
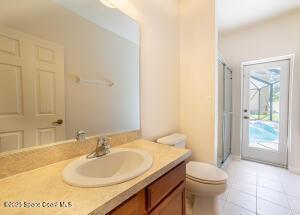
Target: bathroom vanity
160	190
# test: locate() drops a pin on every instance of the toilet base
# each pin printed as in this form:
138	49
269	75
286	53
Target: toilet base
206	205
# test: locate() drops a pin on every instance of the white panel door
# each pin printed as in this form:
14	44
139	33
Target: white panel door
265	111
31	91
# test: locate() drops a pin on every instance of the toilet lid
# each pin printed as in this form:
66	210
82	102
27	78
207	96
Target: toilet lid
205	173
173	139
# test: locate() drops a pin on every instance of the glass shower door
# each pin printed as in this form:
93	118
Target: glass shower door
227	114
224	112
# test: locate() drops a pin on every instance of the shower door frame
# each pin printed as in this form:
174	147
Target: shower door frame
224	115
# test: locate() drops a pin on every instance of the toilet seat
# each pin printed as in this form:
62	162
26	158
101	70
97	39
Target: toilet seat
205	173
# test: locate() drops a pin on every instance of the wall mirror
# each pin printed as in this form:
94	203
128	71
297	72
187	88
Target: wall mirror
65	66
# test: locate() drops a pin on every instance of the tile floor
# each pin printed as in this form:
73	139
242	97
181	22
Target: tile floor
260	189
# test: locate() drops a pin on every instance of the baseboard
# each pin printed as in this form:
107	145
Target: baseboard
226	163
294	170
236	157
264	162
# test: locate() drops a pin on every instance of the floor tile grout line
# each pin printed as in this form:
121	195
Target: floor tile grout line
256	194
272	189
283	192
280	179
241	207
247	181
274	203
238	204
244	192
287	196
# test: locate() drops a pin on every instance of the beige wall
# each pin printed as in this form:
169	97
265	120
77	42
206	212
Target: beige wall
277	37
179	42
159	64
198	59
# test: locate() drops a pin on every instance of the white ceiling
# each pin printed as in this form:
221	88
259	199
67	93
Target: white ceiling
234	14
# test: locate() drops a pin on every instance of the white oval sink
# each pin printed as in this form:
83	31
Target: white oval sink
120	165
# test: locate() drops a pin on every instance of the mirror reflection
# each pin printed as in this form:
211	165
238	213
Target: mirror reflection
65	66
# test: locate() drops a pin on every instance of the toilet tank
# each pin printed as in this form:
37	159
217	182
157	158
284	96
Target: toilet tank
176	140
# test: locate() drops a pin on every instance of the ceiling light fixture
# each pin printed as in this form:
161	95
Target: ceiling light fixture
107	3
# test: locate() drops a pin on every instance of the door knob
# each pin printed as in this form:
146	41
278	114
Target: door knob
246	117
58	122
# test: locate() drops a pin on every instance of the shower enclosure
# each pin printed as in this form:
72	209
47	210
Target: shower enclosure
224	111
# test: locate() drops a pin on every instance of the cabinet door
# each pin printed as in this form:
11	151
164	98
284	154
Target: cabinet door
136	205
174	204
163	186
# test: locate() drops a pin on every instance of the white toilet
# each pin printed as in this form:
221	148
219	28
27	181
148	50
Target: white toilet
203	181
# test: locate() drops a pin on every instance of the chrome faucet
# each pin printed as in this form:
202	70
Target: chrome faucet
102	148
80	135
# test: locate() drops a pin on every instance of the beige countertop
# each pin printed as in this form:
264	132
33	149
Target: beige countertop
45	185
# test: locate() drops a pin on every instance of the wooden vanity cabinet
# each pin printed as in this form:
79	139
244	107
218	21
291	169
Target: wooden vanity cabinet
173	204
165	196
136	205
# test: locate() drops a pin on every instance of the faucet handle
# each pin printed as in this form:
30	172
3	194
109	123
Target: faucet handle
80	135
102	147
105	141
